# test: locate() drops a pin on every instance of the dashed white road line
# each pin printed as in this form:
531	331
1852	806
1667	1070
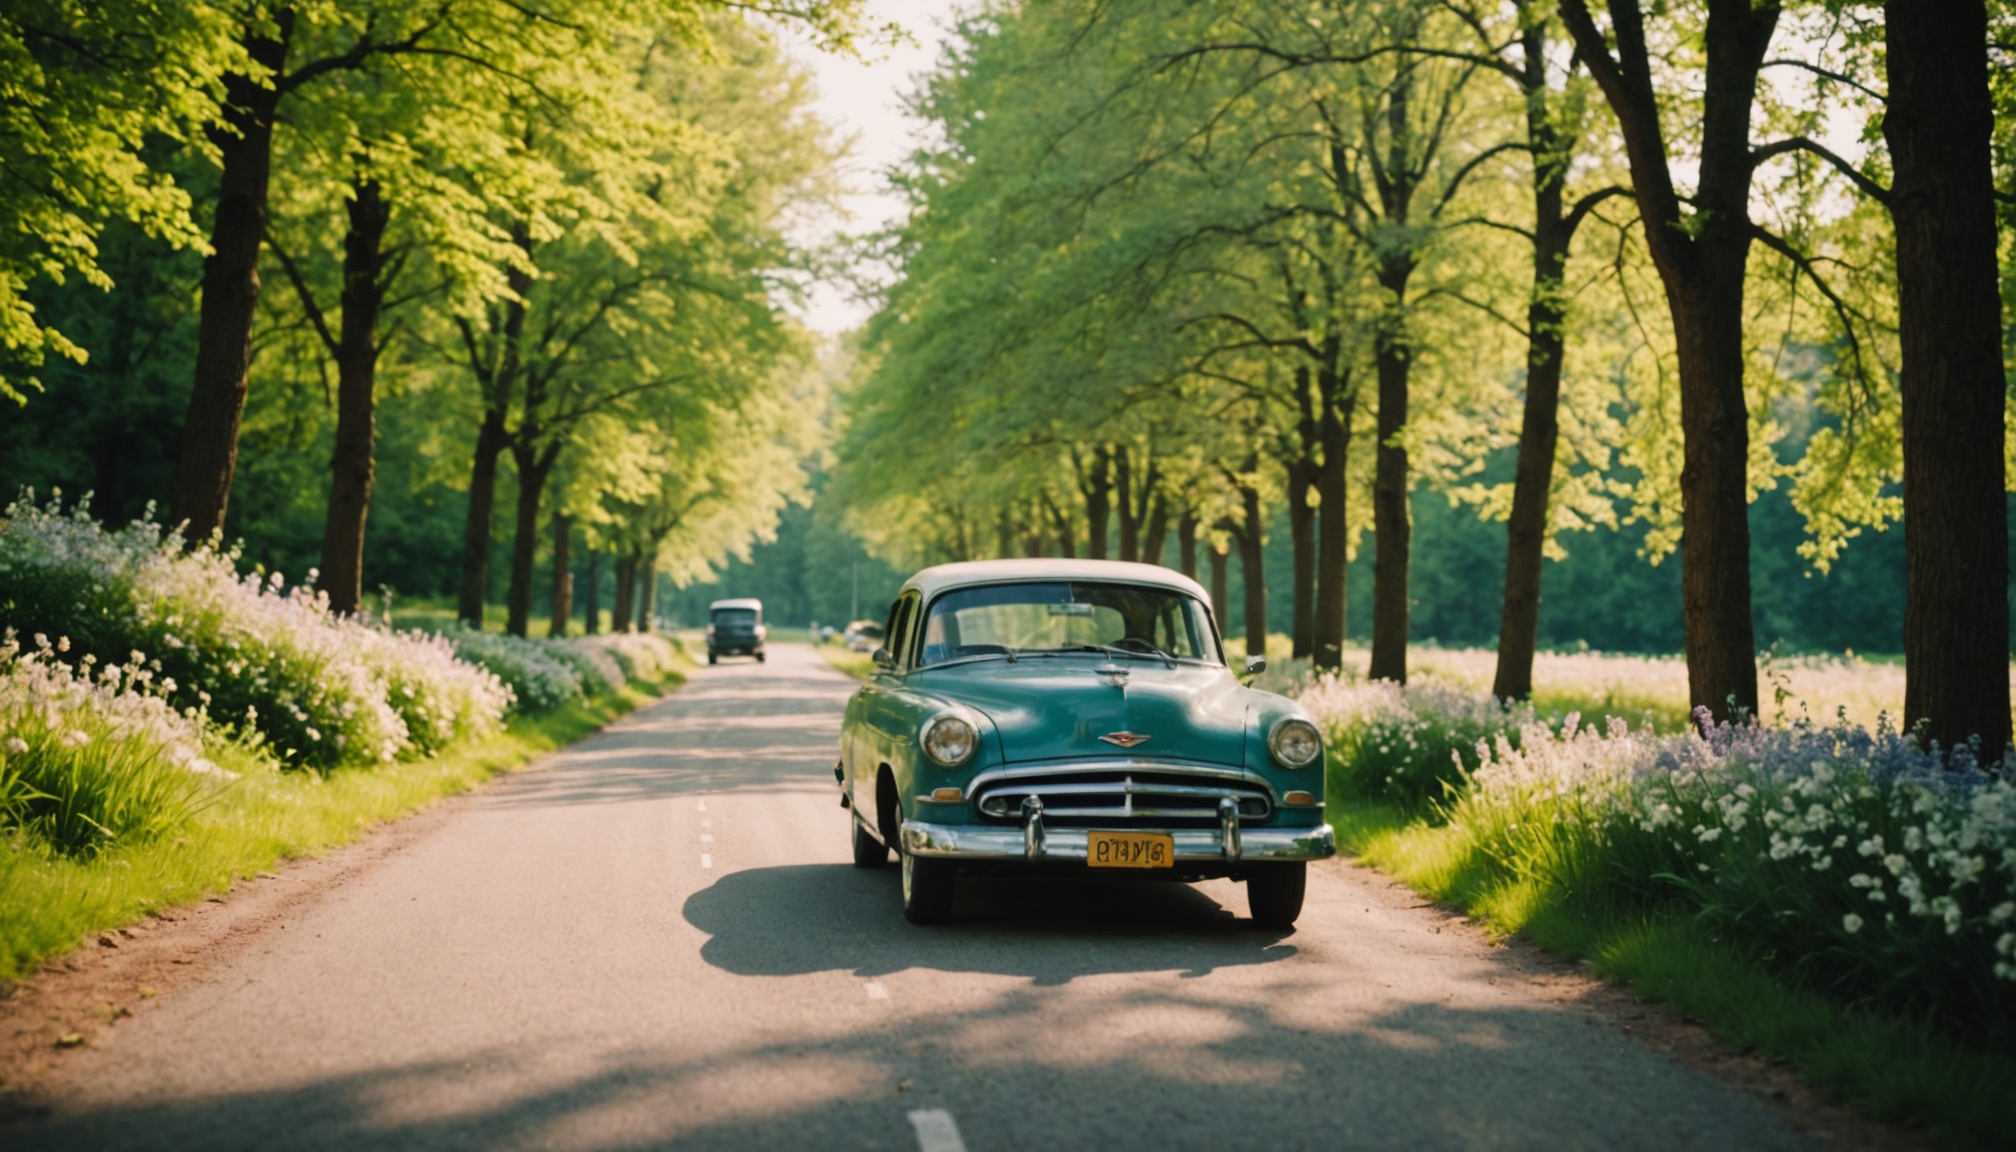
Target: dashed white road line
936	1131
706	839
702	807
876	991
706	860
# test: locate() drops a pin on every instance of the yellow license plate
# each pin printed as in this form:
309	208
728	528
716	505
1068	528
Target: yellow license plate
1129	850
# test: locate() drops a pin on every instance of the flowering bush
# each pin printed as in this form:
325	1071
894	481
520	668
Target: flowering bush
1405	744
441	698
643	656
538	676
239	651
1851	856
91	755
590	656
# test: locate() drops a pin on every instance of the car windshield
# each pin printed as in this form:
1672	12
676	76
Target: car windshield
735	617
1067	616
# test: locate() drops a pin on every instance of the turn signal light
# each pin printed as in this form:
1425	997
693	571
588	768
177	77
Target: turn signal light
1299	798
947	795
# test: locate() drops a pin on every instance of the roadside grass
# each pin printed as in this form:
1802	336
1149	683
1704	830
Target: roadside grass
50	902
1890	1067
859	665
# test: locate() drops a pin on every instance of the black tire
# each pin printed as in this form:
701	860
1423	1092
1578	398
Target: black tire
927	889
1274	893
712	658
868	851
759	657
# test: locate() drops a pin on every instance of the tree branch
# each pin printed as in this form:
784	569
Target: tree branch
1866	184
307	297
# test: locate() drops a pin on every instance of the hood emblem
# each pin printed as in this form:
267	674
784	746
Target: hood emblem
1125	739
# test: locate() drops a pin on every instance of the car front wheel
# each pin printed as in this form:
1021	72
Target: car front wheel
1274	893
868	851
927	889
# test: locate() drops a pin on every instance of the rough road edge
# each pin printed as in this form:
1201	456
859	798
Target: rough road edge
1799	1105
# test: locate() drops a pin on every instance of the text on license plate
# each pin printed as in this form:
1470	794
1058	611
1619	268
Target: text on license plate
1129	850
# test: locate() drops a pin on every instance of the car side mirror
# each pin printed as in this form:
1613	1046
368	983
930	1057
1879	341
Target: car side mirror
1255	665
882	659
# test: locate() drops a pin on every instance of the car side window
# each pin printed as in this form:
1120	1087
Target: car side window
903	645
896	637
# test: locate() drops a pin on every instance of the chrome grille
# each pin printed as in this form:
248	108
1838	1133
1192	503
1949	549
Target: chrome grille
1121	797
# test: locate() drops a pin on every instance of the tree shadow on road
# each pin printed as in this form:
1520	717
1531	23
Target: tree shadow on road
1164	1067
1050	928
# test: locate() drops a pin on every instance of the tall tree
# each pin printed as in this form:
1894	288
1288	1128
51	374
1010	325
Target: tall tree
509	49
368	271
1939	123
1522	54
1701	247
243	138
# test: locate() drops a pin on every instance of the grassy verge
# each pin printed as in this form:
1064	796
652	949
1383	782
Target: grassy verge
855	664
49	902
1889	1067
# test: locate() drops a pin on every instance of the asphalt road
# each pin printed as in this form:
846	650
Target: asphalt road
656	940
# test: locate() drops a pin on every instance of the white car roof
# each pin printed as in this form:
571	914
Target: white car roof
934	580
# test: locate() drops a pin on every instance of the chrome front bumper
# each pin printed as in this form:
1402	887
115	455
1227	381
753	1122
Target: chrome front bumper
1033	842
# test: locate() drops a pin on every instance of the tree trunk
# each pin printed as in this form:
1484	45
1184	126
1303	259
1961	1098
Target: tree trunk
1392	530
619	617
1302	551
1701	257
1098	490
534	465
1714	489
591	604
1939	124
1130	520
1155	537
490	445
647	593
1061	524
1252	568
1220	583
230	293
1032	538
352	465
1526	529
1186	543
563	575
1333	549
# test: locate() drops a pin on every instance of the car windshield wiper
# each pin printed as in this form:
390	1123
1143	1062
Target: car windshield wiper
1006	653
1115	650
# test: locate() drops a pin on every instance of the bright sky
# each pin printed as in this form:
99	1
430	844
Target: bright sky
863	100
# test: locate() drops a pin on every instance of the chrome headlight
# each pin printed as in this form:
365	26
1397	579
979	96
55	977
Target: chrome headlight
1295	742
950	740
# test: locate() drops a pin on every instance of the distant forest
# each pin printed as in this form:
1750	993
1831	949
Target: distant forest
1603	595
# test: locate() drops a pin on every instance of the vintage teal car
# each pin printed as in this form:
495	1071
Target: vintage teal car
1075	714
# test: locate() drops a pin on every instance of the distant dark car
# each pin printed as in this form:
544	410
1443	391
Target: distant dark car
735	628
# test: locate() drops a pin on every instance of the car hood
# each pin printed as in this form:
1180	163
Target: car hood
1052	708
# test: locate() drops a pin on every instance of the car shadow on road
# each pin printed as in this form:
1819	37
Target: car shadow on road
1052	929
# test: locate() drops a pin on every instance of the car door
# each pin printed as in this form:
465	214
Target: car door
879	735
